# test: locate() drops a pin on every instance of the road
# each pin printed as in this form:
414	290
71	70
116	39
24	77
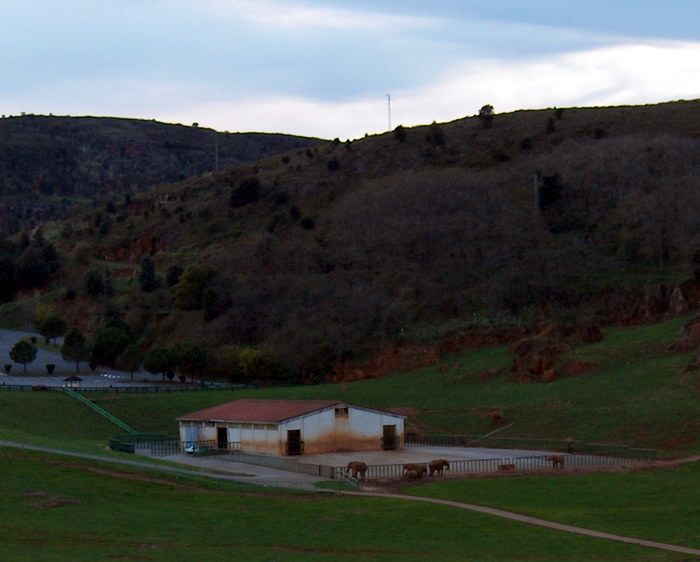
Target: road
36	371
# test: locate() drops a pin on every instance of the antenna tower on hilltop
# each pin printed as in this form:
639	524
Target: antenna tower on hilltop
388	103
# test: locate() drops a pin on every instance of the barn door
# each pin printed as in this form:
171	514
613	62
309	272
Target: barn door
222	437
294	442
389	438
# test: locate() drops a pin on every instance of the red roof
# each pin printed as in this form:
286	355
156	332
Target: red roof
259	411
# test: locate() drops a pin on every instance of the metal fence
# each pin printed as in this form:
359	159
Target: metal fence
290	465
129	387
161	445
528	444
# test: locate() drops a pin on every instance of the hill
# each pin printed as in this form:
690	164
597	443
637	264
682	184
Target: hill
51	165
327	255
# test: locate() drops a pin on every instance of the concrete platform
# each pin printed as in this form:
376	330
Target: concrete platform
417	454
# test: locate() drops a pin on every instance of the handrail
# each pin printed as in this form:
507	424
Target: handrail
101	411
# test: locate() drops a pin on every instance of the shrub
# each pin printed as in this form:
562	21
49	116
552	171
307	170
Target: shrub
94	283
435	135
50	367
248	191
8	368
486	116
400	133
333	164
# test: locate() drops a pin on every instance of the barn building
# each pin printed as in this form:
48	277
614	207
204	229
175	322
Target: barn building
294	427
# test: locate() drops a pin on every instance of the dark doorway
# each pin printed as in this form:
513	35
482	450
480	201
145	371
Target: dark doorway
389	441
222	437
294	442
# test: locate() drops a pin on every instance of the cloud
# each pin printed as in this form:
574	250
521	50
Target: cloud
622	74
293	15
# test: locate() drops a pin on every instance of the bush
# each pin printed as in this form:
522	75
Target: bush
400	133
8	368
486	116
435	135
333	164
94	283
50	367
248	191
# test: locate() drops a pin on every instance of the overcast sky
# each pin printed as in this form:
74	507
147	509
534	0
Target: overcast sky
324	68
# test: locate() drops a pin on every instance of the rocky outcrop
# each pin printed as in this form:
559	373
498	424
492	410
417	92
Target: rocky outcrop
537	357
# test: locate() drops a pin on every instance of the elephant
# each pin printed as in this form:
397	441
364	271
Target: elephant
556	460
420	469
437	466
357	469
411	474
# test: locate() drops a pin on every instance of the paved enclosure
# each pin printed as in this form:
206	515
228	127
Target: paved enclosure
417	454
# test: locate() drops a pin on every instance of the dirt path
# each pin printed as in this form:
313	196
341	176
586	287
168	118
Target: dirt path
535	520
376	494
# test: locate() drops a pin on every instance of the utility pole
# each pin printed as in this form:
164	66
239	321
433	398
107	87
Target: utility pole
388	100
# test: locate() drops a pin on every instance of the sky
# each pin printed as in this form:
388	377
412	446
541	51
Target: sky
325	67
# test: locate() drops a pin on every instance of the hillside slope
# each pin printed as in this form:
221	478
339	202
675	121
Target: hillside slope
50	164
329	254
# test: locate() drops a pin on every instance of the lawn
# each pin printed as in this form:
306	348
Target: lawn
57	509
637	395
660	504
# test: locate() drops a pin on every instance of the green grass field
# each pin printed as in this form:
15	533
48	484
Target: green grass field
56	509
660	504
637	395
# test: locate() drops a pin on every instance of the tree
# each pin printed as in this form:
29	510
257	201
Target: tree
400	133
435	135
7	280
130	359
191	358
23	352
486	116
248	191
52	327
108	344
31	268
148	281
160	360
74	348
94	283
189	291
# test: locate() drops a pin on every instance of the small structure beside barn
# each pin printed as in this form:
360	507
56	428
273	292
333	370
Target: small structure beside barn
72	382
294	427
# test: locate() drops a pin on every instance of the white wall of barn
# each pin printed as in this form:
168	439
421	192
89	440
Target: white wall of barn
360	430
329	430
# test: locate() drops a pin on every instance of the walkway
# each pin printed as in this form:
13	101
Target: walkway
534	521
